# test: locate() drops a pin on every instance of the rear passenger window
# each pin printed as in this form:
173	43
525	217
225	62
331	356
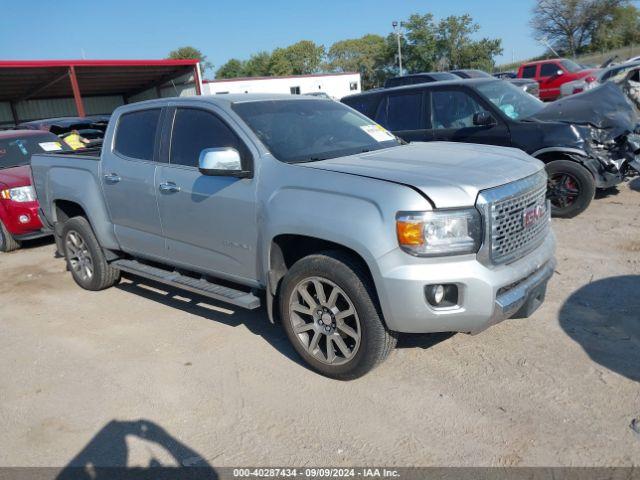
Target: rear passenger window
404	112
365	104
195	130
529	71
549	70
136	134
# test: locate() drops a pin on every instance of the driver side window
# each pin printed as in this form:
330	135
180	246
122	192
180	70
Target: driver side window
195	130
453	109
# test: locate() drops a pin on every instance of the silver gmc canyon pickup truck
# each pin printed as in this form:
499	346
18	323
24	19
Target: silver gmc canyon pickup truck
348	235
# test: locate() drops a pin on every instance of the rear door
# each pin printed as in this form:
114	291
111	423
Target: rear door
452	112
209	222
403	113
129	169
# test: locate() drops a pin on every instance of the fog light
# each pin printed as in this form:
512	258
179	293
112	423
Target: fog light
438	294
24	218
442	295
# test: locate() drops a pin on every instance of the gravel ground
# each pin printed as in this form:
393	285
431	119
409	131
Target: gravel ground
136	375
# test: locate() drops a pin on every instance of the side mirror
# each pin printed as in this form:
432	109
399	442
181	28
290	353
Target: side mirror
222	162
560	72
483	119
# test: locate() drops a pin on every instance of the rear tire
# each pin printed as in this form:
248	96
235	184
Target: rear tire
7	242
330	313
571	188
85	259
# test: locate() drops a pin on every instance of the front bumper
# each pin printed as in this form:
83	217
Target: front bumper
12	213
487	295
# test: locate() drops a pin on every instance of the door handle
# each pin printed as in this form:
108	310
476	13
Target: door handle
112	178
169	187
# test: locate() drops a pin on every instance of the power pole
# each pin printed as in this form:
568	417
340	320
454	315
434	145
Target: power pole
397	31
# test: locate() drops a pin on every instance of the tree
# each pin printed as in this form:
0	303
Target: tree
448	44
366	55
570	25
419	50
232	69
622	29
457	49
190	53
258	65
304	57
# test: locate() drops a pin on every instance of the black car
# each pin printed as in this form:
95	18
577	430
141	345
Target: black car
505	75
585	144
416	78
526	84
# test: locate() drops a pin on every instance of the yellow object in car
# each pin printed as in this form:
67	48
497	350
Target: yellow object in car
74	140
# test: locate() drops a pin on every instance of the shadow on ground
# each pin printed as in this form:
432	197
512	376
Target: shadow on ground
107	455
255	320
604	318
422	340
38	242
635	184
606	192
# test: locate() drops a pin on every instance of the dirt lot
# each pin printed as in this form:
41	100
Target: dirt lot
134	373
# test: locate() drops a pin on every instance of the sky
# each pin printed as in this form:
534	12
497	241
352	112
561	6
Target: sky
222	29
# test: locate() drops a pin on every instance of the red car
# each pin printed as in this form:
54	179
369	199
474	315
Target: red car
551	74
18	205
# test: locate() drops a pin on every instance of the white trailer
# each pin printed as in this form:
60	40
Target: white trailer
335	85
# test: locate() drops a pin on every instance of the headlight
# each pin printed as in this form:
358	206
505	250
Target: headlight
439	233
19	194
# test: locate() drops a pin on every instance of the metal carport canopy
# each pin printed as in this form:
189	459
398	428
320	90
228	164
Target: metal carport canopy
46	79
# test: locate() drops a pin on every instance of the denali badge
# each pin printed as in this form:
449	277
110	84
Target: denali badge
531	215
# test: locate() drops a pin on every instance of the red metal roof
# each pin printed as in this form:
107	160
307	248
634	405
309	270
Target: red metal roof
35	79
92	63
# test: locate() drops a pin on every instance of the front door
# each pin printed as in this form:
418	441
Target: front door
452	113
128	179
209	222
551	80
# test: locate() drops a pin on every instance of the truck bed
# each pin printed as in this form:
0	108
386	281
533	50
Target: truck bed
65	175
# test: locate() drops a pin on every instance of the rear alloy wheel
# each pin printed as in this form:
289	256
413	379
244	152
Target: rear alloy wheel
7	242
570	188
85	259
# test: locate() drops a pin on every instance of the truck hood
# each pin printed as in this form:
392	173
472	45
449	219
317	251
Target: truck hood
449	174
15	176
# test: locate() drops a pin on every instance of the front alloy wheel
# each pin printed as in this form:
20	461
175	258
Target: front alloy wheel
325	321
563	190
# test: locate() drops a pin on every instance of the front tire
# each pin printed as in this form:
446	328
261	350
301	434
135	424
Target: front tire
331	315
7	242
571	188
85	259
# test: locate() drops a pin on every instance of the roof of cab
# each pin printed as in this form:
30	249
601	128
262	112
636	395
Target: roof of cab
227	99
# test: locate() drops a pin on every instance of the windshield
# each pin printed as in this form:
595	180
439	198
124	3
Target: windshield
513	101
17	151
571	66
309	130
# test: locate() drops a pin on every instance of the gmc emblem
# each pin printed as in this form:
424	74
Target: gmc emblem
532	214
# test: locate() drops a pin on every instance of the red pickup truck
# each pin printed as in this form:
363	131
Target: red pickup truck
551	74
18	205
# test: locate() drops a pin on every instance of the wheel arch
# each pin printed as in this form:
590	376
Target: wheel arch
286	249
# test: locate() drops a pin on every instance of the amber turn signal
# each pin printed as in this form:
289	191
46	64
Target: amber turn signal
410	233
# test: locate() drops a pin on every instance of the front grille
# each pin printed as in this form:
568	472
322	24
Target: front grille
517	218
